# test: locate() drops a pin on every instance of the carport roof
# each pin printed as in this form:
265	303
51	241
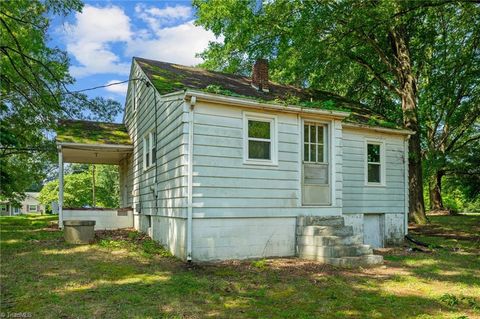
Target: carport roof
93	142
89	132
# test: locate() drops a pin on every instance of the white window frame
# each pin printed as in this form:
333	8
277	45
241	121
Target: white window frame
30	206
382	163
272	119
325	143
150	137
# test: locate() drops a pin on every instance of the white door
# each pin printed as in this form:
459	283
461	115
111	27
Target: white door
315	179
373	230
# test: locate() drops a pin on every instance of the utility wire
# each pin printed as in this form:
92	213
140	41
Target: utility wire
104	86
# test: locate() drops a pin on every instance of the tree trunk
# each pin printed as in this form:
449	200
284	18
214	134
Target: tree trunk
408	94
415	174
436	202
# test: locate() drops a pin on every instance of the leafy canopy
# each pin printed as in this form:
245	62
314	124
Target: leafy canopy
34	91
78	185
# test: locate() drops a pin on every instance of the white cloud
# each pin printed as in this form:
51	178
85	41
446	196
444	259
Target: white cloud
117	88
102	40
156	17
177	44
90	38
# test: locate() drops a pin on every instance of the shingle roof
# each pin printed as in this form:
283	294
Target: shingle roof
170	77
89	132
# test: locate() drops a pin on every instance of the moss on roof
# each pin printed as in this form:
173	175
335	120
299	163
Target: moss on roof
89	132
169	77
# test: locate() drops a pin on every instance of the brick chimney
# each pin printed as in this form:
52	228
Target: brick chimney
260	75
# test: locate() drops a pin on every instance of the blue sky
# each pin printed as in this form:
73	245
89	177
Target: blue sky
102	40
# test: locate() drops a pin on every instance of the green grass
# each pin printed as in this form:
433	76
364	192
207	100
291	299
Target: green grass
133	277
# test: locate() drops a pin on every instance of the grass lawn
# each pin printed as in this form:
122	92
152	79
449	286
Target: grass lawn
124	275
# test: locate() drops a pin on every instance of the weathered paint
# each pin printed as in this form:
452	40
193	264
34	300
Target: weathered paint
238	238
160	191
105	219
242	210
388	199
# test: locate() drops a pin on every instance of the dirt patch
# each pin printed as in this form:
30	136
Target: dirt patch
119	234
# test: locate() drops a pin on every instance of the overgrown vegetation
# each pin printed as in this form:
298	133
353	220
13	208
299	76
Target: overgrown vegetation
124	274
85	132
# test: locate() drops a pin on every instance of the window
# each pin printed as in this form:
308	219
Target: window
374	167
314	146
3	207
32	208
260	140
149	150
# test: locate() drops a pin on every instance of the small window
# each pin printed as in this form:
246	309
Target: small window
260	141
374	163
149	150
32	208
314	137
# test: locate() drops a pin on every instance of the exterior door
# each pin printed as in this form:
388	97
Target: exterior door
315	172
373	230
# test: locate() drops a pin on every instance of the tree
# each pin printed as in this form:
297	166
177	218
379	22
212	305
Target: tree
34	91
449	100
78	188
77	191
370	51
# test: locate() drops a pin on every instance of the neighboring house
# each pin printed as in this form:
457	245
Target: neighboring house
30	204
224	166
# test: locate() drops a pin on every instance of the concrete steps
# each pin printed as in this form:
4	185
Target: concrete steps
328	240
325	231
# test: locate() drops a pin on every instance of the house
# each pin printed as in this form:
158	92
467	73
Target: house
30	204
223	166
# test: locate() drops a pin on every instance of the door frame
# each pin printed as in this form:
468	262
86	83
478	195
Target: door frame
330	157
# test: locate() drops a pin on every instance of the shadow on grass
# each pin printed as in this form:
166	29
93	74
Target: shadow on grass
51	279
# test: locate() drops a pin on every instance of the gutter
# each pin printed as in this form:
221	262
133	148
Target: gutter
378	129
237	101
193	101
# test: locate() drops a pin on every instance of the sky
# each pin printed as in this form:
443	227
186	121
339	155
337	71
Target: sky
103	38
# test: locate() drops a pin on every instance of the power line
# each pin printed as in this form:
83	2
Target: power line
104	86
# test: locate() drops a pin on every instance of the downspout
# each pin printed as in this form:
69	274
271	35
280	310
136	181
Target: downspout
193	100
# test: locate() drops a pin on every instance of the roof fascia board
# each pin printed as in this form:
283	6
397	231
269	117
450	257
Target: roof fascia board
129	89
378	129
94	146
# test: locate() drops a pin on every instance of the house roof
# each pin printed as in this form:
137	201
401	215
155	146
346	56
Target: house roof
170	77
89	132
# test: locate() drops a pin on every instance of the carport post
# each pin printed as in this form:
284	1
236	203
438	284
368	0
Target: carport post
60	187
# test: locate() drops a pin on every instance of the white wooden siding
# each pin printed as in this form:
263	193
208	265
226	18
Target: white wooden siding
359	198
168	196
225	186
